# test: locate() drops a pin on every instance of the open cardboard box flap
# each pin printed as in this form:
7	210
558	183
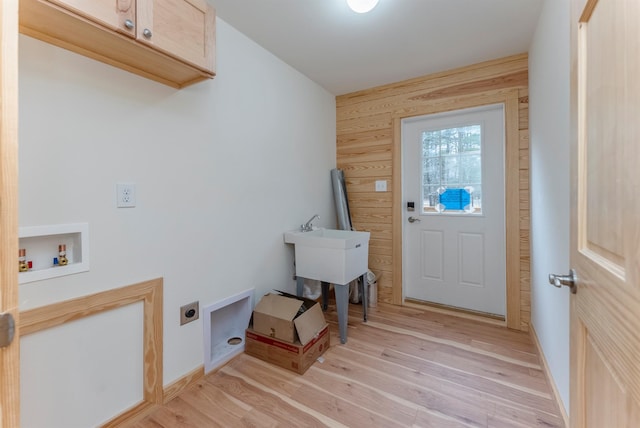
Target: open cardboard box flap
310	323
276	315
278	307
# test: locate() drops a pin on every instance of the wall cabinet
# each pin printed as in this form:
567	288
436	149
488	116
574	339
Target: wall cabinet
170	41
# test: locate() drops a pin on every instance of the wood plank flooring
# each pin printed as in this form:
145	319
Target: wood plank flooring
405	367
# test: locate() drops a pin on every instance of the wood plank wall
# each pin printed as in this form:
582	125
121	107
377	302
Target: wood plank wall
365	151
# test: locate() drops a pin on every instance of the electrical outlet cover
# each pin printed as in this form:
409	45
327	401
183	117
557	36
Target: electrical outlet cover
189	312
125	195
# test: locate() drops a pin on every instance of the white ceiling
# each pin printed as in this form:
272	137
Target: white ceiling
344	51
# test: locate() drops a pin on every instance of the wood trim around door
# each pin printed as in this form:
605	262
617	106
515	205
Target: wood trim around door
9	302
512	191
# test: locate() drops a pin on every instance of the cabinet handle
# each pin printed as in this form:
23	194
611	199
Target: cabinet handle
147	33
129	24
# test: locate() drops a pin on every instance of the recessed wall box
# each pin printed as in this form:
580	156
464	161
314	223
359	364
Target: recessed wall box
42	245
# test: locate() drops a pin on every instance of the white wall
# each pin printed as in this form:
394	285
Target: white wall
222	169
549	68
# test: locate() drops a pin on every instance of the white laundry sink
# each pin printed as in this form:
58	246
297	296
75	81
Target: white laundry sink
329	255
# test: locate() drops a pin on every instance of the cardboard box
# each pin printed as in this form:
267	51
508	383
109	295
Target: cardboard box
295	357
288	318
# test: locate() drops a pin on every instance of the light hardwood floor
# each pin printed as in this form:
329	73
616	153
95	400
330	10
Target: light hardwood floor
405	367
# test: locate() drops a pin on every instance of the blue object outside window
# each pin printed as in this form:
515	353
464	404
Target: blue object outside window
455	199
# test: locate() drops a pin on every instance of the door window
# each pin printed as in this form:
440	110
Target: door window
452	170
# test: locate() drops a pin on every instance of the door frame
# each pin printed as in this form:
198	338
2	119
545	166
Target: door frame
9	356
453	117
510	100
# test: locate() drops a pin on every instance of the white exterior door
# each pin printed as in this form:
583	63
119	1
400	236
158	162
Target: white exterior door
454	209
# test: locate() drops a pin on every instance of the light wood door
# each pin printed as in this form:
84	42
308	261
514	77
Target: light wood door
605	311
9	356
184	29
112	14
454	241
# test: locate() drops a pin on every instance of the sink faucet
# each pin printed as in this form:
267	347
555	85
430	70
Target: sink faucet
307	227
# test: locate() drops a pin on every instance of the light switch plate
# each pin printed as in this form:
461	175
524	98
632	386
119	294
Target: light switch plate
381	185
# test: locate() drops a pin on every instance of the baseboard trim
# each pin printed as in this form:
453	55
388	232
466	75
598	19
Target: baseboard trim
174	389
131	416
545	367
170	392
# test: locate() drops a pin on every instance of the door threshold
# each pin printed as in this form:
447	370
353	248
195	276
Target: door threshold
455	311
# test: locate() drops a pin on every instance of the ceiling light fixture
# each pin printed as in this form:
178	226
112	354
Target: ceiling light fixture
362	6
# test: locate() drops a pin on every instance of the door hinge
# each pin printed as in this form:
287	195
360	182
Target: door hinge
7	329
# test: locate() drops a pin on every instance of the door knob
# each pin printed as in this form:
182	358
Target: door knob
568	280
147	33
7	329
129	24
414	220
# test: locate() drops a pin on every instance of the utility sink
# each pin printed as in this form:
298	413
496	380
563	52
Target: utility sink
329	255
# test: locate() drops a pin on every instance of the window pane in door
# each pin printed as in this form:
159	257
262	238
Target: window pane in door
452	170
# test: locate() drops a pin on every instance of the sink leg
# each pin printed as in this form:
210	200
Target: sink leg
299	286
325	295
364	292
342	306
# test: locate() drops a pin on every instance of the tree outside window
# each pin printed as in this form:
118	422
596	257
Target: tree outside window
452	169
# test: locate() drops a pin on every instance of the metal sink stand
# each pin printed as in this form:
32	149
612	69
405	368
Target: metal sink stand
342	300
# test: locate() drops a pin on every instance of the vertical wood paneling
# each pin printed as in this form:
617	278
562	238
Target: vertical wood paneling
368	134
397	294
512	210
525	212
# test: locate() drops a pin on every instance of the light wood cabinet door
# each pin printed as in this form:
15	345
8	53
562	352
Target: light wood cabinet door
184	29
118	15
170	41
